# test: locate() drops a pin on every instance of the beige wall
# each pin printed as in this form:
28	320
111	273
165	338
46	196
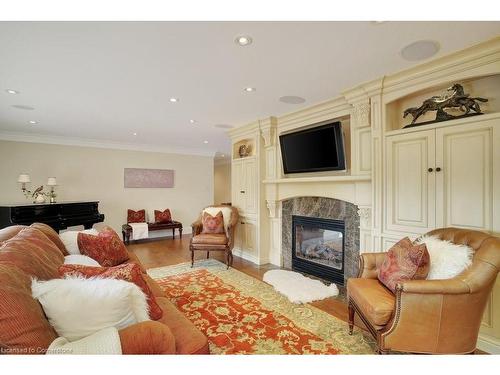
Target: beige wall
222	183
97	174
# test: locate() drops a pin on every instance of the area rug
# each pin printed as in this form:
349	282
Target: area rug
243	315
299	288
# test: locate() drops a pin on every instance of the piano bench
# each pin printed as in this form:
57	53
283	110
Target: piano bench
127	229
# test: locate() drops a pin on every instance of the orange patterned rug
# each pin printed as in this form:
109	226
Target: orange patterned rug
243	315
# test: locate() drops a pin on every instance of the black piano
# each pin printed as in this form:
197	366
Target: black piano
57	215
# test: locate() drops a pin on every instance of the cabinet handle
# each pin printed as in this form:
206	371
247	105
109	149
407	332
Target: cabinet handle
430	170
242	191
242	222
438	169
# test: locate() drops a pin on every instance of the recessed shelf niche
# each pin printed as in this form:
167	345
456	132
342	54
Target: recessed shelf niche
486	87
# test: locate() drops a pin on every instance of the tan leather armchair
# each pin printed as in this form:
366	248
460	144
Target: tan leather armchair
427	316
214	242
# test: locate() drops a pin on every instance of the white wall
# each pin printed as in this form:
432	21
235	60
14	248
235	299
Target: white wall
85	173
222	182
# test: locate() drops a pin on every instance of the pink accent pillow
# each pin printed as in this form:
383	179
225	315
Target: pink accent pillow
404	261
106	248
136	216
212	224
163	216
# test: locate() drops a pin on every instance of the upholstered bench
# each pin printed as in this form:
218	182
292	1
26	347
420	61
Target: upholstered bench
127	229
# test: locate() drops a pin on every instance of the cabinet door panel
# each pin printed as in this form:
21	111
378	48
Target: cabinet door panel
250	237
464	184
237	185
410	194
250	178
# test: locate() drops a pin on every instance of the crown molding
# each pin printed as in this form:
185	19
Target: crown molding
96	143
243	130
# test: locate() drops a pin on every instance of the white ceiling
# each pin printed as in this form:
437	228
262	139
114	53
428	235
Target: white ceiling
103	81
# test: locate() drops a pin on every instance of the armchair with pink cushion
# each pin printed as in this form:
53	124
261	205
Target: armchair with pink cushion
215	241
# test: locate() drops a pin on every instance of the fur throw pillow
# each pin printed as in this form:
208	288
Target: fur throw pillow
129	272
78	307
447	259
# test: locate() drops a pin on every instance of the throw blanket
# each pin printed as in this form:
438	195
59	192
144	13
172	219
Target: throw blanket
105	341
139	230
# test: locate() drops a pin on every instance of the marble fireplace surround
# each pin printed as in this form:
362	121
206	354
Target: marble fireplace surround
325	208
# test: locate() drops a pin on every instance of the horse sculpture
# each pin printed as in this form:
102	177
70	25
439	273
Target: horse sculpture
457	99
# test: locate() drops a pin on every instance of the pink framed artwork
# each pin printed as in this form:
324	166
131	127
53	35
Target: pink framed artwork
148	178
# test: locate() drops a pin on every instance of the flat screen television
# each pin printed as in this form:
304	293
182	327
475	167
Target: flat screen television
315	149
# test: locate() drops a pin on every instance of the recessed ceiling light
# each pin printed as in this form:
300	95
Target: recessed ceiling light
10	91
223	126
420	50
134	133
205	142
22	106
250	89
290	99
33	122
192	121
174	100
243	40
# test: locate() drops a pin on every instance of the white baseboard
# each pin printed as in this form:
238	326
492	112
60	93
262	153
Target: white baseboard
243	254
488	344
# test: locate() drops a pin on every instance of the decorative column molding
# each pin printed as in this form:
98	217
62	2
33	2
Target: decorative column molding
273	207
268	131
361	114
365	217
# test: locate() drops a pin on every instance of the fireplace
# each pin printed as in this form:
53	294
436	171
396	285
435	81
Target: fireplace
318	247
328	215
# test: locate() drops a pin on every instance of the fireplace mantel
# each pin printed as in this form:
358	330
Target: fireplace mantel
353	189
339	178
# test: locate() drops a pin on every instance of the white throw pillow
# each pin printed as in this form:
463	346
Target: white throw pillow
69	239
447	259
78	307
226	213
81	260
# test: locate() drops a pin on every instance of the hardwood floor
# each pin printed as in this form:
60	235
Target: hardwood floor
165	252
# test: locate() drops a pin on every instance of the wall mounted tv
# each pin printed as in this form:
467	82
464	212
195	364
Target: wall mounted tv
316	149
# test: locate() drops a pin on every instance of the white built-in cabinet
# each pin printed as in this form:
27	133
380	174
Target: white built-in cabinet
442	177
244	197
244	176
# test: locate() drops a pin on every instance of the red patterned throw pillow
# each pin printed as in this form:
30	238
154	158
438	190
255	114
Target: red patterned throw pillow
106	248
212	224
136	216
129	272
163	216
404	261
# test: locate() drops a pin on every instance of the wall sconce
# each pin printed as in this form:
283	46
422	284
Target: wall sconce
24	179
38	195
